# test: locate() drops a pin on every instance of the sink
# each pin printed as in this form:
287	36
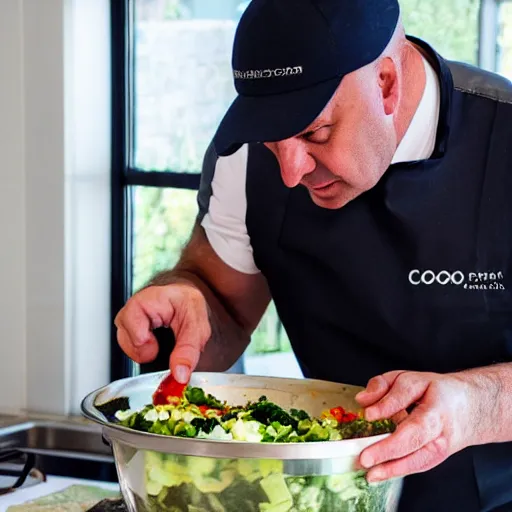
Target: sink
48	438
62	448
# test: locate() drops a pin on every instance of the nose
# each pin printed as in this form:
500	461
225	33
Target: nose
294	160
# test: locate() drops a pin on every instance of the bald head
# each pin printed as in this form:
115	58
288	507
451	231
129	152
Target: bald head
396	44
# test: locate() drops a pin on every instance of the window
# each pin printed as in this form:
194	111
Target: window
173	77
172	85
504	51
449	26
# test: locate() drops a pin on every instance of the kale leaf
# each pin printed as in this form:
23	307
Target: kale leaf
197	396
206	425
300	414
109	409
267	412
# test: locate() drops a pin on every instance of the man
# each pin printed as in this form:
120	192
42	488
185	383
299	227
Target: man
362	182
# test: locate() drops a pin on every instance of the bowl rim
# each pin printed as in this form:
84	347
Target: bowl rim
228	449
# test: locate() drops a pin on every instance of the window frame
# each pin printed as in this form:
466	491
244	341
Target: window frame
488	34
124	175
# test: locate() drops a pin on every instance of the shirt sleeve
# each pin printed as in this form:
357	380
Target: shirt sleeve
223	206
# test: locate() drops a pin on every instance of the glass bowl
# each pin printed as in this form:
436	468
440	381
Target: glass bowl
173	474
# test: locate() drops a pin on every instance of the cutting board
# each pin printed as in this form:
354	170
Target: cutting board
59	494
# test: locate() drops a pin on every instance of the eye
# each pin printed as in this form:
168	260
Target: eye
319	136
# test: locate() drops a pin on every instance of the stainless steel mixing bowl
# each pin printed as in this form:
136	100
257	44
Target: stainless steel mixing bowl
163	473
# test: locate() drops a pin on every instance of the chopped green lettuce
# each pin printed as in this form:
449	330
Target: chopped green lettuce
182	484
257	421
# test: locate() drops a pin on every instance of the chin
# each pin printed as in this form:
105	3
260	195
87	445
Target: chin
336	198
330	204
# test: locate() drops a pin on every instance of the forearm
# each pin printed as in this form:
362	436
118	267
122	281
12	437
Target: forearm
229	336
493	387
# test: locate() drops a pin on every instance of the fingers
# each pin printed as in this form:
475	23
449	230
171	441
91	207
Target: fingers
426	458
181	307
192	329
134	333
140	315
400	417
405	389
426	436
377	387
142	354
421	427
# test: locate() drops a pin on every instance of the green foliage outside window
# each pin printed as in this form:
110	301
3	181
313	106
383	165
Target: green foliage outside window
449	26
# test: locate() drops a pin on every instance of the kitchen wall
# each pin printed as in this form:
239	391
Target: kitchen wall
54	202
12	209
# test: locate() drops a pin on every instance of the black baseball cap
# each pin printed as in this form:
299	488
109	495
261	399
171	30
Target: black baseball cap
289	57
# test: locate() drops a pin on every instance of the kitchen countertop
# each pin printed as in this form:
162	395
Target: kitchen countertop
53	484
10	424
9	420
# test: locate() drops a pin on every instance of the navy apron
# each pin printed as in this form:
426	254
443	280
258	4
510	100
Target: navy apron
415	274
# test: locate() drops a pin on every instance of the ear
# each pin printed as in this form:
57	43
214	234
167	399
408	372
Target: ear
388	83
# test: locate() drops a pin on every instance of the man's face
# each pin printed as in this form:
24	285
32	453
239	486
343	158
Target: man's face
347	149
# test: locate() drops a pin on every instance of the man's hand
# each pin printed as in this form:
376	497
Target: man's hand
181	307
211	308
447	417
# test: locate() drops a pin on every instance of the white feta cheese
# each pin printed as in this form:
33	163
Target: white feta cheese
124	415
188	417
217	433
151	415
163	415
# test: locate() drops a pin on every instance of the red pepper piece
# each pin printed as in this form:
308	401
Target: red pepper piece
337	413
204	408
168	389
341	416
348	417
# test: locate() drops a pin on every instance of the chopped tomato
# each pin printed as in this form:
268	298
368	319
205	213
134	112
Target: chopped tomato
168	389
341	416
204	408
337	413
347	417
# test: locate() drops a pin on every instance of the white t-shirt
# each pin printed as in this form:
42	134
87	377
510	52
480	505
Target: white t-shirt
224	222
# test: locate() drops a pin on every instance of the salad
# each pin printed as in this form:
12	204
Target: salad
176	483
197	414
179	483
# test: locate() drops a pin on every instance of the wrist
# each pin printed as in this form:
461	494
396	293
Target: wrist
483	388
166	278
